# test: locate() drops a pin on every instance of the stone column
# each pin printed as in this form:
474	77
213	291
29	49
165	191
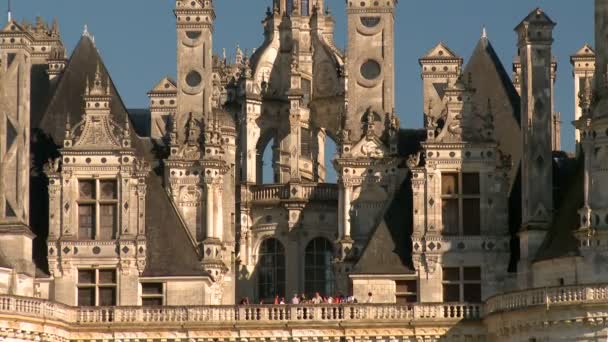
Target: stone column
346	208
219	214
209	211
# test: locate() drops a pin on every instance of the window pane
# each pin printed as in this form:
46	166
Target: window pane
451	274
318	270
271	273
470	183
306	89
472	273
406	286
86	189
152	288
451	293
107	296
152	301
86	276
471	213
86	296
449	183
107	276
108	189
305	142
449	211
86	219
107	221
472	293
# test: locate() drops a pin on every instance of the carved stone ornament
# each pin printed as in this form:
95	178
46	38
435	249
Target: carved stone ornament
430	263
413	160
372	150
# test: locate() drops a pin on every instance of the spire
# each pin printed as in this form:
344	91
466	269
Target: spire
85	31
484	33
55	27
9	13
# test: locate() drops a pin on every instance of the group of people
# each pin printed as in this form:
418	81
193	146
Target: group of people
316	299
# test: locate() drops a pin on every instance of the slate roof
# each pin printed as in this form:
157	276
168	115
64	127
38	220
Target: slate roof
389	248
491	82
568	199
170	251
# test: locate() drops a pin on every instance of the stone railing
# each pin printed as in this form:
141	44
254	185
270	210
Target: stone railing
269	192
219	315
593	293
277	192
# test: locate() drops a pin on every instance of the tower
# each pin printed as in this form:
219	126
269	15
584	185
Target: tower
593	127
583	66
194	60
365	164
439	66
535	37
370	65
15	69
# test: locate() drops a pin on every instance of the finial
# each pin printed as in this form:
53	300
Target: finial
55	27
484	33
127	131
85	31
87	90
9	14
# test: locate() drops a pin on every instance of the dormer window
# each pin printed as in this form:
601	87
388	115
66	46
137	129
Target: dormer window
460	197
97	209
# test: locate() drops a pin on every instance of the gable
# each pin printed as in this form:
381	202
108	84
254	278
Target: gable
440	51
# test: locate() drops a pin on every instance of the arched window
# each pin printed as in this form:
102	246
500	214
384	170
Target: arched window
318	272
271	270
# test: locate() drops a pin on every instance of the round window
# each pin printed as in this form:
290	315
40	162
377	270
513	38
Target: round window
370	69
193	34
193	79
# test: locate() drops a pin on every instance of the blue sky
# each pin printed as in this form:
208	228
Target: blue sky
137	38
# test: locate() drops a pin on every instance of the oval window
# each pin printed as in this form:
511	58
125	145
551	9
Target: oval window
370	21
370	69
193	78
193	34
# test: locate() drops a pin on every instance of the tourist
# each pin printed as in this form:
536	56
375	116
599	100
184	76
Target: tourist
276	300
282	302
317	299
295	299
370	299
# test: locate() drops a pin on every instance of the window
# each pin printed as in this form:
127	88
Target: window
152	294
460	199
306	142
304	8
318	272
97	209
462	284
271	274
306	90
96	287
406	291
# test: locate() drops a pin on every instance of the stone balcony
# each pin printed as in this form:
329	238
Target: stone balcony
235	323
563	313
547	297
281	192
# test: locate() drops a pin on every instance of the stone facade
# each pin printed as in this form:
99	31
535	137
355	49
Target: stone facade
473	228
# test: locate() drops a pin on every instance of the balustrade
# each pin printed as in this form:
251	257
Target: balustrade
276	192
233	314
547	296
